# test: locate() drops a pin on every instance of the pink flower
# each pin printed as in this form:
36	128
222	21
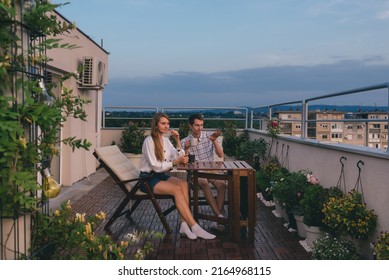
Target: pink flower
312	179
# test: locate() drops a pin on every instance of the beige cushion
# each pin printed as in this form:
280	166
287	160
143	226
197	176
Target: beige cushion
119	164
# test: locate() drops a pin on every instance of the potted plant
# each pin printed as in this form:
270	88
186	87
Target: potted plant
381	248
312	205
288	189
131	142
132	139
265	176
329	247
231	139
348	214
250	149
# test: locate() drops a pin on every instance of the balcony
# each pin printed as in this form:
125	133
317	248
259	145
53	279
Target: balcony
272	239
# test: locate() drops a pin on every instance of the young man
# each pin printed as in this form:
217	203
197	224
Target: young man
203	145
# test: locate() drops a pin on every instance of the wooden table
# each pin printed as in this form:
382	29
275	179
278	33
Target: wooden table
232	171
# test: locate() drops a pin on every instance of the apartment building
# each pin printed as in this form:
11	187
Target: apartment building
334	127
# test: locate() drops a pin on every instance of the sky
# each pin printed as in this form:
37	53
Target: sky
237	52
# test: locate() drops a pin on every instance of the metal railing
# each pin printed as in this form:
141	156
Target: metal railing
264	113
119	116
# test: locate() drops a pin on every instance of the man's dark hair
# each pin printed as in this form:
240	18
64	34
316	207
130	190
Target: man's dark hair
194	117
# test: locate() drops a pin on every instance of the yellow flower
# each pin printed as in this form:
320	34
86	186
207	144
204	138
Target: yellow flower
80	217
23	142
101	215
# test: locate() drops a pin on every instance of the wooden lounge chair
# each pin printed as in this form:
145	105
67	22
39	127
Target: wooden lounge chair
126	176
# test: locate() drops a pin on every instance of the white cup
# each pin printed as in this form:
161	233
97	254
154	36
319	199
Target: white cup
194	142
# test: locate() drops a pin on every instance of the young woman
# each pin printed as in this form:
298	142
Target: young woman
158	157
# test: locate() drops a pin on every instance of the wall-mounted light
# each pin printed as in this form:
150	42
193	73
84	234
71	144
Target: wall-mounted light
44	97
51	188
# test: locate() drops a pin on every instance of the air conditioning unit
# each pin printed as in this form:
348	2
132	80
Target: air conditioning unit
93	72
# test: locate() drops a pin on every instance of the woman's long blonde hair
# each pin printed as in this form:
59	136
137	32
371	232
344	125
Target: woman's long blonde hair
159	154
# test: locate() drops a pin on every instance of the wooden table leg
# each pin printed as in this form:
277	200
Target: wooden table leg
195	196
251	204
236	209
231	206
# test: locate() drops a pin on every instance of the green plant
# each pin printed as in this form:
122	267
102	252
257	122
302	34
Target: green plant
265	176
330	247
72	235
312	205
231	139
138	239
274	129
251	148
132	139
348	214
183	130
29	127
288	188
381	248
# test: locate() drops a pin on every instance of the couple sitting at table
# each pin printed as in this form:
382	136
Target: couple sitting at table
159	156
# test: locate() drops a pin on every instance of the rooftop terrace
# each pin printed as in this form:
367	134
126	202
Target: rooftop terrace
272	241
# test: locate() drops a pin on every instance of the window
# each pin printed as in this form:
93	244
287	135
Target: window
324	136
336	135
376	125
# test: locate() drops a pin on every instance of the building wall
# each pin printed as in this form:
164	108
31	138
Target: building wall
324	162
71	167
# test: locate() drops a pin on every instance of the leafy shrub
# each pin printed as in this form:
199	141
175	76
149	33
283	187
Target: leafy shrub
381	249
312	205
248	149
288	188
132	139
329	247
69	235
231	139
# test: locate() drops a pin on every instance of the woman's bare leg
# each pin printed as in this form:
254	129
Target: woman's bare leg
181	197
182	201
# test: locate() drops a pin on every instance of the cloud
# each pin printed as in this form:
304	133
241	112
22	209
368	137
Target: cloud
384	15
248	87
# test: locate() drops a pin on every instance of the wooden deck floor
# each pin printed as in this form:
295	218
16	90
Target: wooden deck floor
272	240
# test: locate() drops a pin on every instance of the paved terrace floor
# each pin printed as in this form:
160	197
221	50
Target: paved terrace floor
272	239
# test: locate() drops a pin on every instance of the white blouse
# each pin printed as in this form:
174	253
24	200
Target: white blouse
149	161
